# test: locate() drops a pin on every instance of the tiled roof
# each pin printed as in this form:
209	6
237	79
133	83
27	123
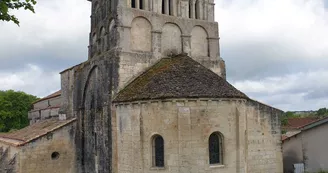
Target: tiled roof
317	122
34	131
283	137
55	94
177	77
296	123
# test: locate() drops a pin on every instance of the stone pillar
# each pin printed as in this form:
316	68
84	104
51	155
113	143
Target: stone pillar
150	8
214	48
166	7
192	10
199	9
241	132
174	7
137	4
186	47
145	5
210	11
184	9
205	12
157	6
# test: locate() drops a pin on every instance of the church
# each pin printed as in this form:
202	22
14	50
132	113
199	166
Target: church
151	98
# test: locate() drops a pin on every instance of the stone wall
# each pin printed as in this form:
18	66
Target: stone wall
45	109
8	158
52	153
186	127
264	139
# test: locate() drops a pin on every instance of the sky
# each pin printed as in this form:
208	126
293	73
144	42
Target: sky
275	51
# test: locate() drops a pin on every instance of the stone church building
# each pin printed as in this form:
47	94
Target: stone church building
151	98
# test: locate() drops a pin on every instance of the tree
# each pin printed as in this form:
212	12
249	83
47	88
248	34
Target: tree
14	107
7	5
322	111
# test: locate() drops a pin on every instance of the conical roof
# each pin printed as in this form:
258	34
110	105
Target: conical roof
177	77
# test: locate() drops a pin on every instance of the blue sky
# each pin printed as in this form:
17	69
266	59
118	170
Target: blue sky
275	51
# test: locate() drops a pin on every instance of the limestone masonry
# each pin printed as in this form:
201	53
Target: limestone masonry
152	97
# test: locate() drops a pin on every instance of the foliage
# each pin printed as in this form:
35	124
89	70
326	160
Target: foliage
322	112
14	107
287	115
7	5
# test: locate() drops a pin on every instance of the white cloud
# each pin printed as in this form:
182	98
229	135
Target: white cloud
277	51
307	90
32	79
299	25
55	21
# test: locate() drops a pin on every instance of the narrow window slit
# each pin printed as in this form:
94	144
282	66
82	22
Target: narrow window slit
133	3
141	4
163	6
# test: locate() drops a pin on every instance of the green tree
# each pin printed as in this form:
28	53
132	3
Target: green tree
322	111
14	107
7	5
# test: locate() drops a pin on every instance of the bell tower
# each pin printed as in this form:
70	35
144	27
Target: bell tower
141	32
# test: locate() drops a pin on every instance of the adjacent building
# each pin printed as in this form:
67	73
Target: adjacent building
308	147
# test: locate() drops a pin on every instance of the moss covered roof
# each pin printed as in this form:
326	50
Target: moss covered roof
34	131
177	77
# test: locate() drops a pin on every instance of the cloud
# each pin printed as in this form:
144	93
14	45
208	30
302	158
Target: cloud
31	79
277	51
290	91
57	32
269	35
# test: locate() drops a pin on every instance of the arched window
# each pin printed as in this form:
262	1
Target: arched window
215	148
158	151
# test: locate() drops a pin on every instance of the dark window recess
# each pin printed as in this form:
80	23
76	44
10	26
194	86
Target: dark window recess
159	151
163	6
55	156
196	10
190	8
170	9
215	149
141	4
133	3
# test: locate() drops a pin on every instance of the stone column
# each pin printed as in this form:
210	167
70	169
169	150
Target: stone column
184	9
166	7
210	11
137	4
192	10
205	13
150	7
174	7
214	48
145	5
